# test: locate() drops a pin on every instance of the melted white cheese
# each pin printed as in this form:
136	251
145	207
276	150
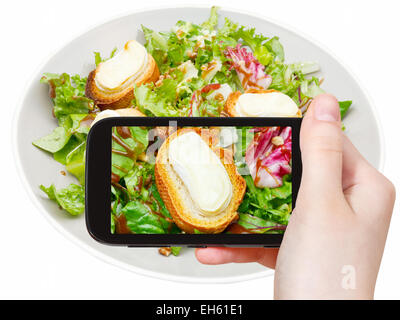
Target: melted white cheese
123	69
202	172
271	104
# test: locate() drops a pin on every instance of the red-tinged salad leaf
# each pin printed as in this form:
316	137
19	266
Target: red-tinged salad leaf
250	71
268	156
255	224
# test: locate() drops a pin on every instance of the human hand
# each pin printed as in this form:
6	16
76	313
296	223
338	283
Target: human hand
333	245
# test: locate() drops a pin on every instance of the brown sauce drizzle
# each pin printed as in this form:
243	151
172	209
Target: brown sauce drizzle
124	132
128	151
114	178
87	121
121	226
52	90
238	229
120	168
157	213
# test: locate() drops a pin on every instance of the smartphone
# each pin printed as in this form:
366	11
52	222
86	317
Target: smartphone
191	181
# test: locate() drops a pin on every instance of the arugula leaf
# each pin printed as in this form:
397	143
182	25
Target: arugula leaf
71	198
55	141
176	250
344	107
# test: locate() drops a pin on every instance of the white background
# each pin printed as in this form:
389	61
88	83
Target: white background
38	262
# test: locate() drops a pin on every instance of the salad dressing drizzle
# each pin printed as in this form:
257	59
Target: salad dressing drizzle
124	132
236	228
128	151
120	168
87	121
114	177
121	225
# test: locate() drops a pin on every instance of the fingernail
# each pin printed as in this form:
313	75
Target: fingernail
326	108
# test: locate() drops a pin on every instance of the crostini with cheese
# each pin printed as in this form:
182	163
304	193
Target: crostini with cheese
261	103
111	84
198	182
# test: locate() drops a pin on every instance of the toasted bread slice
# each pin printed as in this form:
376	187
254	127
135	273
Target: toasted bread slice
177	198
130	112
120	99
230	104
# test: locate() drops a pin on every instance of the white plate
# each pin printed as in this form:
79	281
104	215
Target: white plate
34	120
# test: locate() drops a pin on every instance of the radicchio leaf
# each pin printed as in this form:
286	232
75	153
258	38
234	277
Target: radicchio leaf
268	156
250	71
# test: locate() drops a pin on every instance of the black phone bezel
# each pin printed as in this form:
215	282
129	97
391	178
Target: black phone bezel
98	181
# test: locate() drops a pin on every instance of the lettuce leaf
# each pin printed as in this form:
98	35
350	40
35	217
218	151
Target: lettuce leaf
59	138
212	21
153	104
137	143
259	225
140	219
136	178
55	141
61	155
271	204
71	198
68	95
98	59
75	162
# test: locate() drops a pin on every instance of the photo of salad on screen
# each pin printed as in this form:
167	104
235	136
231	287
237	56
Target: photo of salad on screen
201	180
217	68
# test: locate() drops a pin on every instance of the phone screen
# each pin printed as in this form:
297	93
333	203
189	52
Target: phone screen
201	180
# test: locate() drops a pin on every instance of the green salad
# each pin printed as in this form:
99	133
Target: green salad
200	65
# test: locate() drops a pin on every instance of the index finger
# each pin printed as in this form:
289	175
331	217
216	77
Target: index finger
213	256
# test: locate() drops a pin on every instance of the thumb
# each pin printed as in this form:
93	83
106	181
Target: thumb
321	147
